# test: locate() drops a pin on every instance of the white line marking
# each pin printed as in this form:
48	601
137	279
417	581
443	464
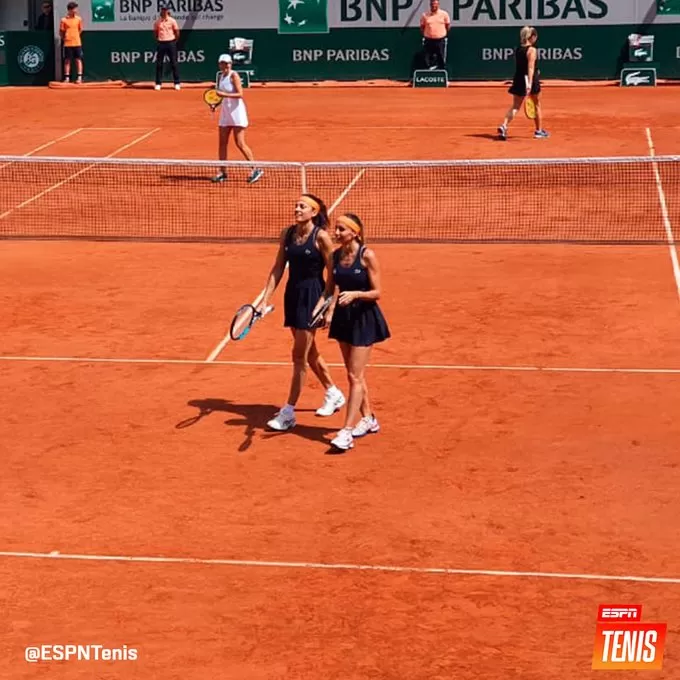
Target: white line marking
349	188
114	128
56	555
44	146
75	174
664	213
401	367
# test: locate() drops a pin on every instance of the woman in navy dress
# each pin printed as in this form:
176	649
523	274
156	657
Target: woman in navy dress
308	250
356	322
525	83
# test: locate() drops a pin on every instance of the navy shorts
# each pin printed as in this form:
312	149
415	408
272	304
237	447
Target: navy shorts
73	53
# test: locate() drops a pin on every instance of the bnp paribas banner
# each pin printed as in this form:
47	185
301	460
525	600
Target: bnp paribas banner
320	16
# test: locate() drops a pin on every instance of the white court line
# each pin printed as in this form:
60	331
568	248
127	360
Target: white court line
44	146
400	367
76	174
348	188
56	555
115	128
664	212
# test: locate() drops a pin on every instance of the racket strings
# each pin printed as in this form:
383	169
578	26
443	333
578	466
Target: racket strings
242	322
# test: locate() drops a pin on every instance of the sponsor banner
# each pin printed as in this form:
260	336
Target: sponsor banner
319	16
26	58
430	78
364	54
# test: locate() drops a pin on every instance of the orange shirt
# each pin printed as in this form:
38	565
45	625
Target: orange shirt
70	28
435	25
165	29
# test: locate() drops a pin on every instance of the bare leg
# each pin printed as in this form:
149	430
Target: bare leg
512	112
223	143
240	139
301	346
357	358
319	366
365	404
539	112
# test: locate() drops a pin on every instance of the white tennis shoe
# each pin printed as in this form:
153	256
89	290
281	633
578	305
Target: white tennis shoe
367	425
343	440
283	421
333	401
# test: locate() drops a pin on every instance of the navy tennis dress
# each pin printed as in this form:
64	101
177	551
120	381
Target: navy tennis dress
361	323
519	86
305	280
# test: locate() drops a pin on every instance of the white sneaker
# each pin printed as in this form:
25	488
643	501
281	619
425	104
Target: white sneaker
333	401
343	440
367	425
282	421
156	87
178	87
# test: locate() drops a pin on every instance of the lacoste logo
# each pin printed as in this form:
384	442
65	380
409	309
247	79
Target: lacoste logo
637	79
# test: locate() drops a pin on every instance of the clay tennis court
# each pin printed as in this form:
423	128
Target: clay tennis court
527	469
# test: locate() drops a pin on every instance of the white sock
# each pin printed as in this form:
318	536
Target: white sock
288	408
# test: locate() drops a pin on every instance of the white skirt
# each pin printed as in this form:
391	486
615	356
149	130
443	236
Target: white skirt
233	113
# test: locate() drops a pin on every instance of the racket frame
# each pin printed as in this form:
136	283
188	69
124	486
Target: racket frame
316	320
256	316
212	104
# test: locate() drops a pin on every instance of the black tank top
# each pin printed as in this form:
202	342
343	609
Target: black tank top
305	261
354	277
521	63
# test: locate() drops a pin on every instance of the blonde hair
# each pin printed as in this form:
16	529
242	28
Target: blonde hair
526	34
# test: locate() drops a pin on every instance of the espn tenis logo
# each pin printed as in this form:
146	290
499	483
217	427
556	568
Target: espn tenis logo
624	643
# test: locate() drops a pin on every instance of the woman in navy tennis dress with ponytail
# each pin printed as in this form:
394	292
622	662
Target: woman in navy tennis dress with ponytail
356	322
308	250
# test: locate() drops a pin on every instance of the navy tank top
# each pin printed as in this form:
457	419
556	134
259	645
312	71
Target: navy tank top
521	63
354	277
305	261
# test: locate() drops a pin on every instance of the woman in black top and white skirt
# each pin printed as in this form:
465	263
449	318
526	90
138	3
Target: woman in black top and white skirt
308	250
356	322
525	83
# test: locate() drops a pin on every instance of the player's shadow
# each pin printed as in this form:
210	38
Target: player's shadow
487	135
253	418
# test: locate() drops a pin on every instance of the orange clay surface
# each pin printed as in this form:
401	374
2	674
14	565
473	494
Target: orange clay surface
495	455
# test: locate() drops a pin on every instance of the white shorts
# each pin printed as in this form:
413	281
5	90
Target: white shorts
233	113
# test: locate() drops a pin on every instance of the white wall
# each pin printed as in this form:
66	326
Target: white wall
13	13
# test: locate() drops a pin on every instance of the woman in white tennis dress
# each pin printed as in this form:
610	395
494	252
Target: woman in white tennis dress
233	116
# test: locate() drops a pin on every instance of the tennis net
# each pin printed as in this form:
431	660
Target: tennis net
583	200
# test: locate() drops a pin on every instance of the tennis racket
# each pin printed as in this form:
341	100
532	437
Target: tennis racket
244	319
529	103
317	319
212	99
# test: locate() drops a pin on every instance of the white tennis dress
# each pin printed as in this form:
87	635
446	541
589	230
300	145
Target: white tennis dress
233	112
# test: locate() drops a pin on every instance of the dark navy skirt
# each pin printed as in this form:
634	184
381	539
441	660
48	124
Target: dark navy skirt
299	301
360	324
519	87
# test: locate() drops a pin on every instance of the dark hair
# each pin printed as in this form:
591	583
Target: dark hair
72	5
321	219
360	236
